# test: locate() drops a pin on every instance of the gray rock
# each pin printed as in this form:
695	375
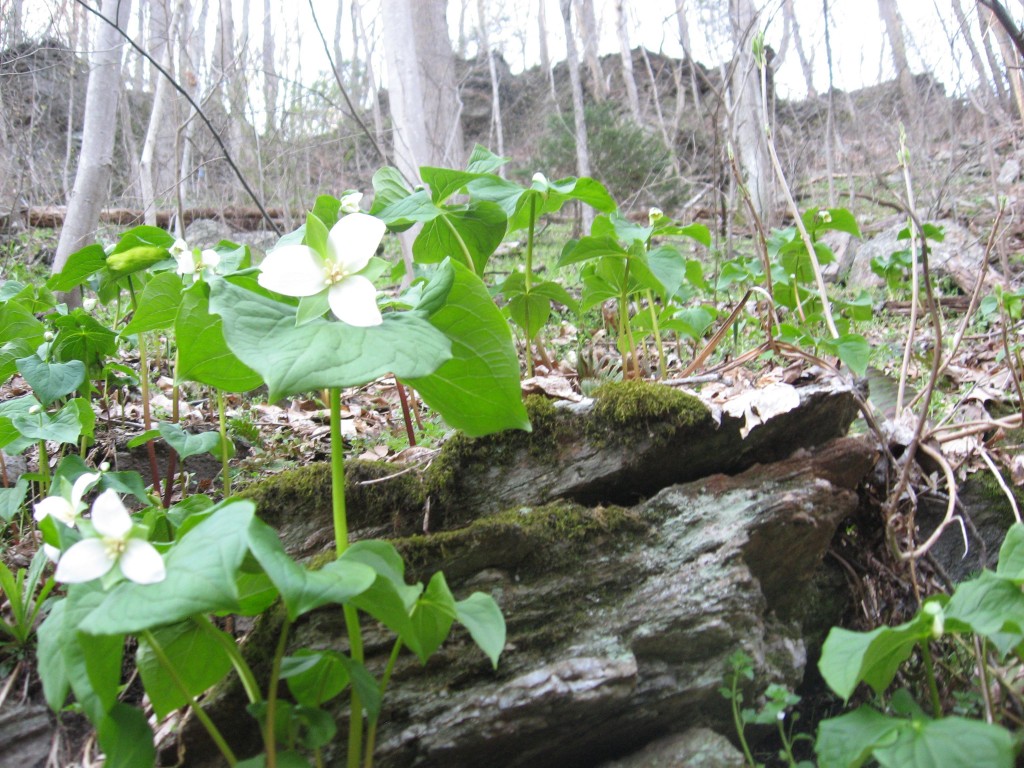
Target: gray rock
696	748
1009	172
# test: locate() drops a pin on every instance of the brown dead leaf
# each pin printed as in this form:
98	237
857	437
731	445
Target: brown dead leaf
554	387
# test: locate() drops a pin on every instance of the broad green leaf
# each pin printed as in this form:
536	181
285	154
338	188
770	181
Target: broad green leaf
530	311
64	427
186	444
322	353
301	589
326	209
81	337
853	349
50	663
316	234
669	266
511	197
477	390
11	499
20	335
93	663
1011	554
417	207
848	658
158	305
51	381
125	737
389	599
930	231
482	160
80	266
695	321
143	235
445	182
200	578
480	614
477	228
203	353
588	248
847	741
698	232
818	220
314	677
951	742
184	644
363	683
389	187
433	616
988	605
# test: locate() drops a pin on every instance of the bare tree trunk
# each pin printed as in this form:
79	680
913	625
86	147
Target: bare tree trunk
627	60
545	56
684	41
269	69
496	127
806	65
162	22
94	164
890	14
582	151
590	35
748	134
984	83
1011	60
998	76
441	104
371	78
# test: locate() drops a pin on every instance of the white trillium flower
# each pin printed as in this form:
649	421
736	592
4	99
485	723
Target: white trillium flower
60	508
189	263
94	557
540	178
178	248
298	270
350	202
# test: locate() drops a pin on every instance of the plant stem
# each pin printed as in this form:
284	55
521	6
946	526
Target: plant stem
738	719
44	469
224	458
933	687
201	716
462	244
528	283
406	416
657	334
371	732
147	420
242	668
269	735
355	719
338	474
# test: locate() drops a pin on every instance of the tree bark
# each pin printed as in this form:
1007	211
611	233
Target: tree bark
270	70
806	65
984	82
627	60
545	56
890	15
96	159
590	35
582	151
162	21
497	130
748	135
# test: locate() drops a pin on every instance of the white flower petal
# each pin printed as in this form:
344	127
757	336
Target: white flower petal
354	239
294	270
179	247
354	301
86	560
141	563
110	517
210	258
186	263
350	202
51	552
82	484
56	507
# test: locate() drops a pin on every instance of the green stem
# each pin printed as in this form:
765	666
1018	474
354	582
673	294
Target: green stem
466	255
269	735
371	733
44	469
338	474
242	668
657	334
355	639
738	720
933	687
225	470
147	419
528	283
201	716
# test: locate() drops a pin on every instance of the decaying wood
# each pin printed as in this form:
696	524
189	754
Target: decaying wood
237	217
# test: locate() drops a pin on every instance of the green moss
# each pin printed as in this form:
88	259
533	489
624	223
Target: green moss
534	537
632	403
375	495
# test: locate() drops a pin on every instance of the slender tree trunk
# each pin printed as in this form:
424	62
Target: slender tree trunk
441	102
806	65
545	56
748	135
998	75
582	151
684	41
270	84
1011	60
967	34
96	159
371	77
627	60
590	35
496	127
890	14
162	22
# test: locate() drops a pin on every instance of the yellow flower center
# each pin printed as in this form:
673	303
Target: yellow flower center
335	273
115	547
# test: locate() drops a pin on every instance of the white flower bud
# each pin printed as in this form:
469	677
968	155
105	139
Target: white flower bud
350	202
48	336
540	178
